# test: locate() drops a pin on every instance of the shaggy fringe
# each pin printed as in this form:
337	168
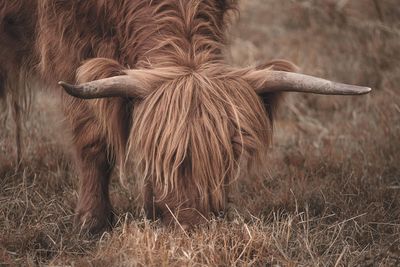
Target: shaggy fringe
193	131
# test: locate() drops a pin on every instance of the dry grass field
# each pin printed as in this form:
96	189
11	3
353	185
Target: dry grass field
332	197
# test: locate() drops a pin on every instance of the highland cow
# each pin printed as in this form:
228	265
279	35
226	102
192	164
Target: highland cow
160	93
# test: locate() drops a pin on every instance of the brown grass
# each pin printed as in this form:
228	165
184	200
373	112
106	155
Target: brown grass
333	194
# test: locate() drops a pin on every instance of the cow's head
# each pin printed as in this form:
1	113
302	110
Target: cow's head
195	130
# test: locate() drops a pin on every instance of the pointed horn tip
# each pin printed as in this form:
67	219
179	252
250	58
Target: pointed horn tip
65	85
364	90
347	89
368	89
72	90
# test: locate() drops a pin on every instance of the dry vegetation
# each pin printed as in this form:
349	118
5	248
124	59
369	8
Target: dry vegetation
333	194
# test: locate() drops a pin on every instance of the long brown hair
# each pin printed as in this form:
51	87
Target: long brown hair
192	132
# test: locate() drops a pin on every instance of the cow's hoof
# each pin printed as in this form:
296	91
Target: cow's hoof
231	212
91	224
234	214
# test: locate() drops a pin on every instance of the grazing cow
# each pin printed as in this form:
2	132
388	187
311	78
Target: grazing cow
148	79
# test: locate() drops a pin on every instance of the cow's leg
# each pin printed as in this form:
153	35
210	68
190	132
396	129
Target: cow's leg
16	112
233	211
230	208
93	144
150	208
93	211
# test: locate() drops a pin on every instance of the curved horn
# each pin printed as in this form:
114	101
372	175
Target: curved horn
122	86
276	81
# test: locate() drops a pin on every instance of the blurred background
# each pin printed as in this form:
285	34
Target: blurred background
333	192
355	41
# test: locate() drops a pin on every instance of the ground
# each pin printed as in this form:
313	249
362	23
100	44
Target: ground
332	197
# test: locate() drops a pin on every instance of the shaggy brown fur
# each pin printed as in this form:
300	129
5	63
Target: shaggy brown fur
198	123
